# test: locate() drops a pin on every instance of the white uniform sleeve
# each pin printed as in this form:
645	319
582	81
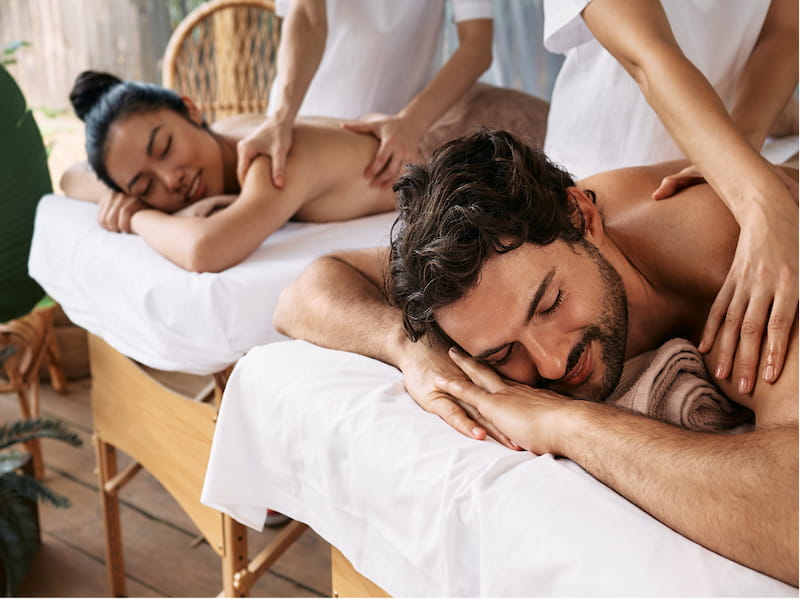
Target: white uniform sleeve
564	27
468	10
282	7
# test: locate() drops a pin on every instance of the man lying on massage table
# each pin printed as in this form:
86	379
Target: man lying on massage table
541	287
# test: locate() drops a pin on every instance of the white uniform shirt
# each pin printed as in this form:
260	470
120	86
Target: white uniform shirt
378	54
599	119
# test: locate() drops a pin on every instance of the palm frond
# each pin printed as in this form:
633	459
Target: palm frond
28	429
30	488
18	536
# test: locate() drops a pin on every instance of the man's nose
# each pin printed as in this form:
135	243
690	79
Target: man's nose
549	351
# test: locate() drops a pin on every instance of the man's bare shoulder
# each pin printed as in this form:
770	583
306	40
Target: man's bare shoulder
683	244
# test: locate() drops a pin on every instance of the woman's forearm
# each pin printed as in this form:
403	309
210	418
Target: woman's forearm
770	75
299	54
472	57
80	182
687	105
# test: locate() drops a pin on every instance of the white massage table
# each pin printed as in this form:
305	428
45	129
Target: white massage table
138	305
421	510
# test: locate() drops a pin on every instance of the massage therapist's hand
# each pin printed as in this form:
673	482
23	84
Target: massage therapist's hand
537	420
419	373
399	144
672	184
115	209
760	293
759	296
272	138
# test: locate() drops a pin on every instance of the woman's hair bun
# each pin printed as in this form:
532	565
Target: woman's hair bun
88	88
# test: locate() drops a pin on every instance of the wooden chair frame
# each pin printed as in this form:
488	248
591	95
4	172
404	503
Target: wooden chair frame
223	78
34	342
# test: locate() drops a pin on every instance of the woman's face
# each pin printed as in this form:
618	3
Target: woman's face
164	159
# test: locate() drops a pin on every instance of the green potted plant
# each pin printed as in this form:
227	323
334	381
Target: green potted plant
24	178
19	495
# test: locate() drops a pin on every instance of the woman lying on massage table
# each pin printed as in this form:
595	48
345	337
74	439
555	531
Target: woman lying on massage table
161	171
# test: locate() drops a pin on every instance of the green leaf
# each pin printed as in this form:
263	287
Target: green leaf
28	429
31	488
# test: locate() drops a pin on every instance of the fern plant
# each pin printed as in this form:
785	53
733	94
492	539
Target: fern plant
19	493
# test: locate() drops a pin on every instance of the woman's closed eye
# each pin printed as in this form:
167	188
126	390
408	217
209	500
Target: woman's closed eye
167	146
146	191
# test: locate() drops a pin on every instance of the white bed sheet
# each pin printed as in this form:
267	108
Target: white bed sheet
424	511
149	309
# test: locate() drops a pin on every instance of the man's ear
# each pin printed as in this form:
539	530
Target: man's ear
585	201
194	112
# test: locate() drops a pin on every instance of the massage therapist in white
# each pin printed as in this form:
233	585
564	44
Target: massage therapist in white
646	81
373	60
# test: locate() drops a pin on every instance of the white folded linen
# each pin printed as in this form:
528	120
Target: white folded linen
424	511
149	309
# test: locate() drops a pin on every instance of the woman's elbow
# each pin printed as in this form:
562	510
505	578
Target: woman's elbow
199	257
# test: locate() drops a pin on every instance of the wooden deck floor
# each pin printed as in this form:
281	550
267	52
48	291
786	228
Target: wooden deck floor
162	553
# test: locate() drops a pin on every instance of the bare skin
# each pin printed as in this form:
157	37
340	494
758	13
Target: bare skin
736	495
168	164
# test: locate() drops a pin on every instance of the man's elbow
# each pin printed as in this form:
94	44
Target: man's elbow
283	317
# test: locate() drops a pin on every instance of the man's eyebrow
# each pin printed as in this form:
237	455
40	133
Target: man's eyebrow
149	153
537	297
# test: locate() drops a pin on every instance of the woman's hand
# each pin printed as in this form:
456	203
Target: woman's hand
419	373
672	184
534	419
759	297
274	139
399	144
115	209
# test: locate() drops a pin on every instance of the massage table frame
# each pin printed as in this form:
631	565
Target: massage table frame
169	435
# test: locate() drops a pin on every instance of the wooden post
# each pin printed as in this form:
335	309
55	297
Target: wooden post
109	502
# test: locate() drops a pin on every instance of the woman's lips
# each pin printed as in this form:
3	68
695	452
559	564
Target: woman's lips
197	189
581	371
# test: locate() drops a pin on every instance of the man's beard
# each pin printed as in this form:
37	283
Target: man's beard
611	333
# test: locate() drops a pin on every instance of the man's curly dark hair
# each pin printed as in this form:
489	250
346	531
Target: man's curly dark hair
478	195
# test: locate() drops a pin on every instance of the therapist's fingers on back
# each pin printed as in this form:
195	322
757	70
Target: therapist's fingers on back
716	315
380	163
727	339
279	167
748	352
779	327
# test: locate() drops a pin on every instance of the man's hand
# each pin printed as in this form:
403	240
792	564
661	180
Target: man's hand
399	144
115	209
272	138
418	377
532	418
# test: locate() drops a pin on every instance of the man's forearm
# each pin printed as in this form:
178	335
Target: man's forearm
735	494
335	305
